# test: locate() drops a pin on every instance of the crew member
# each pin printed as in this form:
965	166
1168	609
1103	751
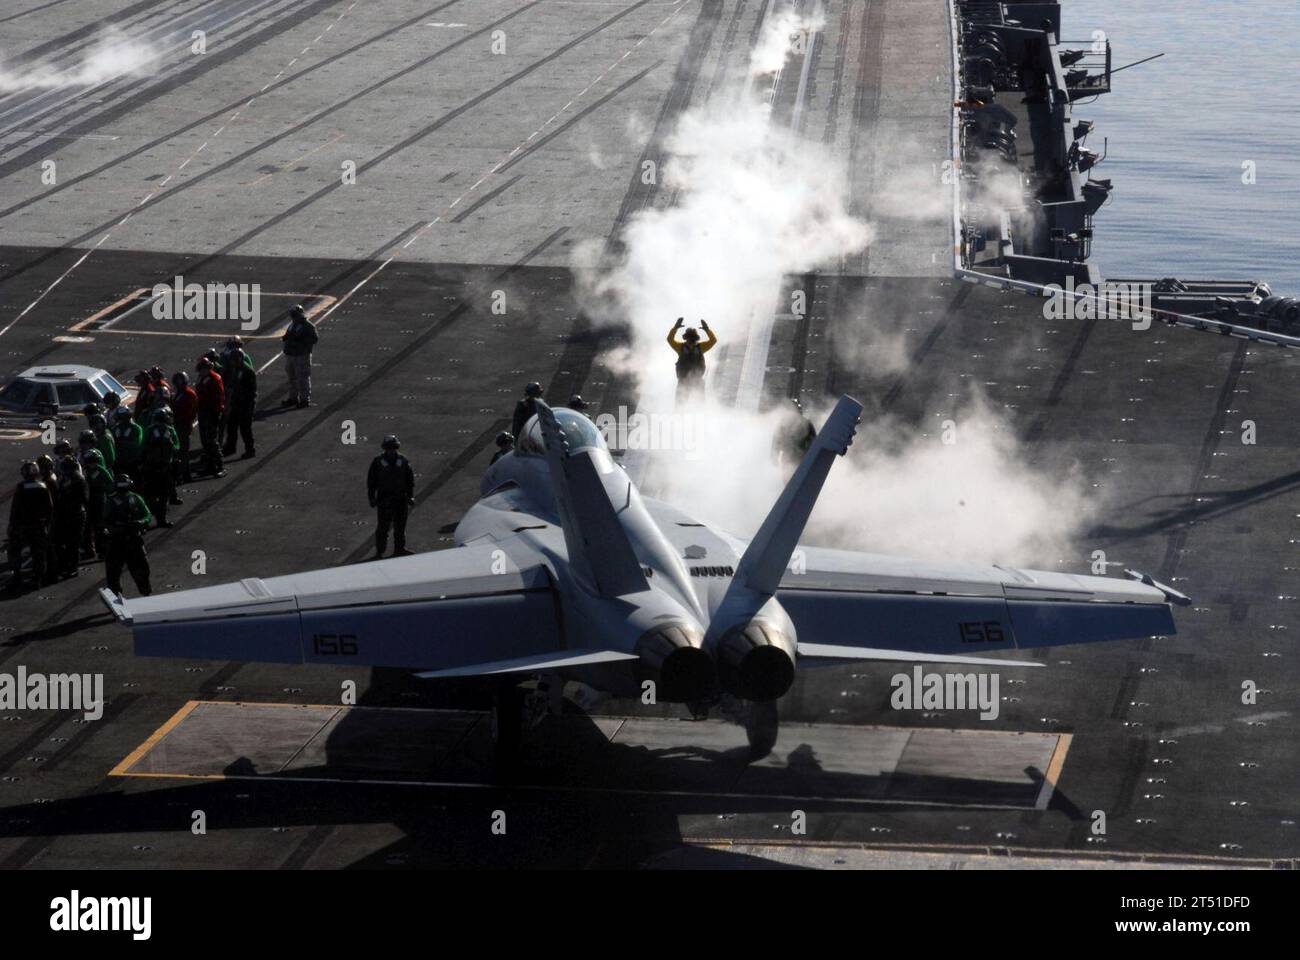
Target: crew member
127	518
156	466
505	443
234	351
162	390
128	437
71	496
104	440
525	408
794	436
99	485
390	486
211	393
170	418
30	513
690	358
45	463
146	397
185	407
241	403
299	340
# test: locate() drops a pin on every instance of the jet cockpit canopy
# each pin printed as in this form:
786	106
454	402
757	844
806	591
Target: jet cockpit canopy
579	432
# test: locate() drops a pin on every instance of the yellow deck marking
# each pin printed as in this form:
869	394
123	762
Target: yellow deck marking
319	303
134	756
1053	771
133	295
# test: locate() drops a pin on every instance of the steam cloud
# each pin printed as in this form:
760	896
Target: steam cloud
754	205
112	56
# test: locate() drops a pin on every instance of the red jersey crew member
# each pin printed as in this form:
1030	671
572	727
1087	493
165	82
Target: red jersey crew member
211	393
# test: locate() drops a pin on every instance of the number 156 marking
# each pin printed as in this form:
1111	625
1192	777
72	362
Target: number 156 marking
975	631
334	644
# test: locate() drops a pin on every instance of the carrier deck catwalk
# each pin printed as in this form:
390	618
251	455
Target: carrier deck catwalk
228	167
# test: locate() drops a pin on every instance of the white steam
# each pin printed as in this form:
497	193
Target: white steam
752	205
779	37
112	56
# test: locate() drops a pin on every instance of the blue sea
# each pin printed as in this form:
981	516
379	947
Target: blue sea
1227	91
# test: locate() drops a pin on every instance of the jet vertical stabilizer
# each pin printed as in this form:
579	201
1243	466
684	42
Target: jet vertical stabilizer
764	562
750	634
598	546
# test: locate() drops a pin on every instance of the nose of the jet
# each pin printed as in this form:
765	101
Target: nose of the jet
672	656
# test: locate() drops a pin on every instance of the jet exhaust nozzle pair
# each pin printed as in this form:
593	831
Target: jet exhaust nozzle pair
754	661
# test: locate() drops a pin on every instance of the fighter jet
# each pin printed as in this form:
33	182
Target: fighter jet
563	570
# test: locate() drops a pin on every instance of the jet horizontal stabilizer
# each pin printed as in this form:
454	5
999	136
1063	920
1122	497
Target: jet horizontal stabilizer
536	664
1172	595
116	605
837	652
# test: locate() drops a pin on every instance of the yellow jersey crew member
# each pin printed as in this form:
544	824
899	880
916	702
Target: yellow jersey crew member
690	352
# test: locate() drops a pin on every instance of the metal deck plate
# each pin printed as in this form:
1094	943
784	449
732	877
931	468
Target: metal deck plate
857	764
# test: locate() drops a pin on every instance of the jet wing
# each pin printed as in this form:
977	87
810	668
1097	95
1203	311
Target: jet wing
446	610
841	601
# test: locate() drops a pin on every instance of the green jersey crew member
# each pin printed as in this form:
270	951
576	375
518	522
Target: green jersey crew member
127	518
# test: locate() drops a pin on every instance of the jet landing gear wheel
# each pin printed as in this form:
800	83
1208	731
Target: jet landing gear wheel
761	727
507	726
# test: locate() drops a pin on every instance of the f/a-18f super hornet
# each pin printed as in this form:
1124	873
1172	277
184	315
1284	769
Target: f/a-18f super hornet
565	571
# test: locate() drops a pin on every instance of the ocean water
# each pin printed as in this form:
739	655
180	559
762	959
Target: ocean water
1180	128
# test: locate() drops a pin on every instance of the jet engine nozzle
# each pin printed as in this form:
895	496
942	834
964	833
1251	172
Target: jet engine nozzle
756	661
672	656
